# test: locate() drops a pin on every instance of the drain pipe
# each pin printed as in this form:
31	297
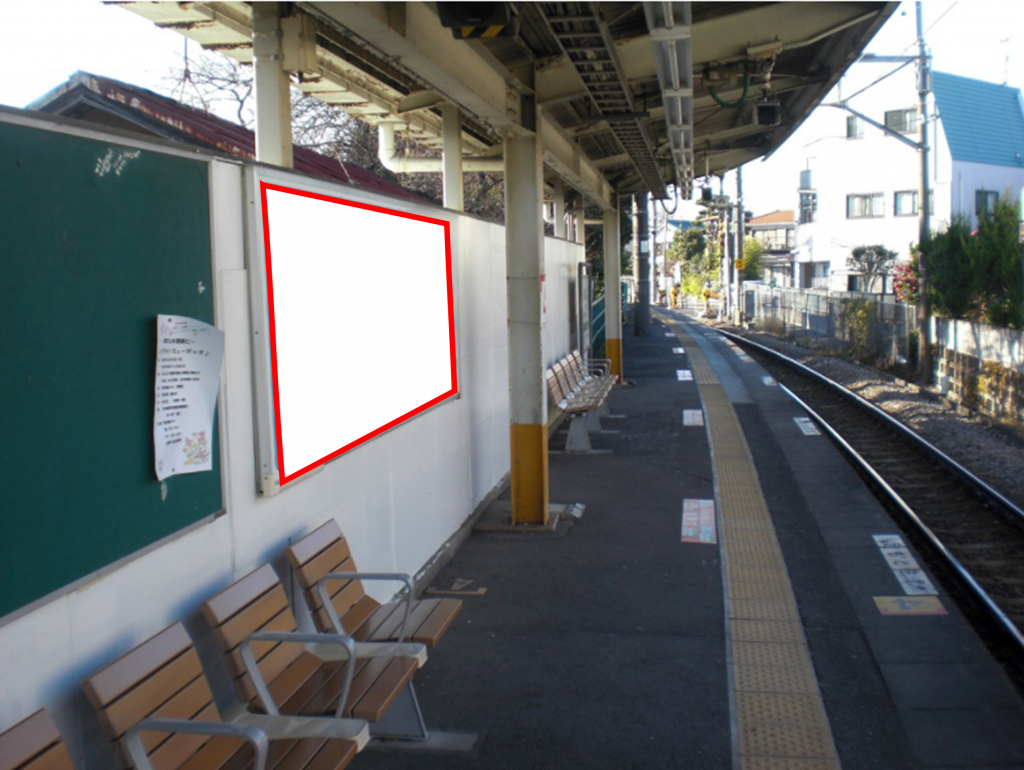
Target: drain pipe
400	164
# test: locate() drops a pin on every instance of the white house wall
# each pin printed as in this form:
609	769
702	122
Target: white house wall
399	498
968	178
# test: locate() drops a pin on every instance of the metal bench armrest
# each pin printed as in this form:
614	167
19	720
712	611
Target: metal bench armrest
328	605
311	640
137	752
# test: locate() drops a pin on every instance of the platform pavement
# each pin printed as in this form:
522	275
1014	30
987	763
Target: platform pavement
605	643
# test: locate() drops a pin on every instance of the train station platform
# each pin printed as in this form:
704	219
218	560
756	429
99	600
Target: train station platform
732	596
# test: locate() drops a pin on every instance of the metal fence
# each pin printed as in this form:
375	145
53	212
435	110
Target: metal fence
858	325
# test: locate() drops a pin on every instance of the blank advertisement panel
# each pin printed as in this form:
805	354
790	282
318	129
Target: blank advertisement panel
361	321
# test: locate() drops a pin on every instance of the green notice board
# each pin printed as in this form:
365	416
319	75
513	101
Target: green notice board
96	239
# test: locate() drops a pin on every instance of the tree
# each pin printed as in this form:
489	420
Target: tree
953	287
872	262
996	262
753	253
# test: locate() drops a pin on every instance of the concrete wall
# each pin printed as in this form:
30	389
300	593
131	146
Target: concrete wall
399	498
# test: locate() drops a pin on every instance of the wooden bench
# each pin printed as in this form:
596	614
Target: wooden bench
33	744
581	391
333	588
276	669
155	704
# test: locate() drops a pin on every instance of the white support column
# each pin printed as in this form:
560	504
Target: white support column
559	208
273	102
579	217
613	291
524	250
452	156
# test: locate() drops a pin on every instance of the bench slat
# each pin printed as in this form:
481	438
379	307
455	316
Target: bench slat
240	594
316	541
30	737
109	683
374	701
151	693
330	559
437	622
265	610
174	749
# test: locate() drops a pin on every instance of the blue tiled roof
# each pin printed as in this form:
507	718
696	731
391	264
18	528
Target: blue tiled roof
984	122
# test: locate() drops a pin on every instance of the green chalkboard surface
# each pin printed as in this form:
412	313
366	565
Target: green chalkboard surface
96	239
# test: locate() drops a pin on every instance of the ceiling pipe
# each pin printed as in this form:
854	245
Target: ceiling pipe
399	164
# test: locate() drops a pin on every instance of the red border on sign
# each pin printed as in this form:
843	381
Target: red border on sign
285	477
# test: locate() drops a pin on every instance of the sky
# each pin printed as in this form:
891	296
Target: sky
42	43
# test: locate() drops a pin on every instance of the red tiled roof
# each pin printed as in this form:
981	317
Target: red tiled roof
774	218
217	133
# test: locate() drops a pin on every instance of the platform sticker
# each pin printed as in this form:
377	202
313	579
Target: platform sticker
769	381
806	427
904	566
684	375
902	605
693	417
678	351
699	521
670	334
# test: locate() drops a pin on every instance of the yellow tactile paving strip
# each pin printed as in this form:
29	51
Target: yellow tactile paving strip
779	718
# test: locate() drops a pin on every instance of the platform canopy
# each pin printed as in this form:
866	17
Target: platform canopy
631	96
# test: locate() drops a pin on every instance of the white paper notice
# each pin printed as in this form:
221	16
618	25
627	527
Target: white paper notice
188	359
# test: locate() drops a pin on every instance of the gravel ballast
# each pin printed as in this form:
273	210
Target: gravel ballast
992	452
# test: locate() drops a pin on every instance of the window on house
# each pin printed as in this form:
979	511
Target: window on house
773	239
861	206
902	121
854	127
906	203
985	202
808	205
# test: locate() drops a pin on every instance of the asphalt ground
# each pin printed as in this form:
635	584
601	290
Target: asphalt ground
603	643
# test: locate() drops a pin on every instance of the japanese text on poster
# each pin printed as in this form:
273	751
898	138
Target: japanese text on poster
188	359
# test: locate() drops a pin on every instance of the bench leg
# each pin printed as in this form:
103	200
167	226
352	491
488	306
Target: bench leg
402	727
403	720
606	411
578	439
594	423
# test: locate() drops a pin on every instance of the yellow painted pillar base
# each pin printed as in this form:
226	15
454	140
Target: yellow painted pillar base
613	349
529	474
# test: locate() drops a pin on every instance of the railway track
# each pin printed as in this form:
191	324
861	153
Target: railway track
971	535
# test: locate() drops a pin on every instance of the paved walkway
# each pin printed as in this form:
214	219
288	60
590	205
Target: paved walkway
613	643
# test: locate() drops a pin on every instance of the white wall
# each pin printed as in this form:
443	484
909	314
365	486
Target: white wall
560	260
968	178
399	498
986	343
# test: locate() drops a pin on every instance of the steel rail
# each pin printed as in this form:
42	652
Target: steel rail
962	572
912	516
994	494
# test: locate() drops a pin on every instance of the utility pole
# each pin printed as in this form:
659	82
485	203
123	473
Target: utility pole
923	205
738	311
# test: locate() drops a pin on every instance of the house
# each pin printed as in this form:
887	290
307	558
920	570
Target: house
776	233
860	186
114	104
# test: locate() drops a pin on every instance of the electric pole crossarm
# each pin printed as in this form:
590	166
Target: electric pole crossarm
876	124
